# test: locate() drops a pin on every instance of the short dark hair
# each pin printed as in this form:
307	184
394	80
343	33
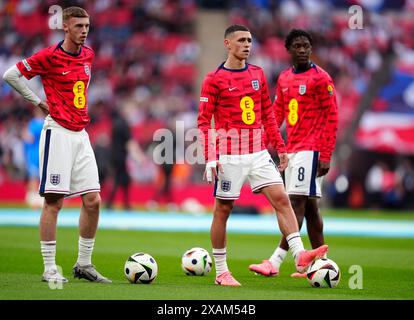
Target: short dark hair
295	33
234	28
74	12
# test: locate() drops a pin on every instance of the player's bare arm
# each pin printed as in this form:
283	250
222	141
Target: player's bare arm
283	161
44	107
323	168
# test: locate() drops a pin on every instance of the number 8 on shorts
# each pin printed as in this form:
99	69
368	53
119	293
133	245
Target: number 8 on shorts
301	174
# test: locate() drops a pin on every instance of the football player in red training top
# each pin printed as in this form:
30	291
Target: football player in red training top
306	99
236	95
67	162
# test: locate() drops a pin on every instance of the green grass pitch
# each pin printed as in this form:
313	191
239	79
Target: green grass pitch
387	265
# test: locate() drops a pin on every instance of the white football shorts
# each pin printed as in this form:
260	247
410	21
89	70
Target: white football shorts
67	161
300	175
257	168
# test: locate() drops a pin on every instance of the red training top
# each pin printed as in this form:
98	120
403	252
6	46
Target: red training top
307	101
239	101
65	77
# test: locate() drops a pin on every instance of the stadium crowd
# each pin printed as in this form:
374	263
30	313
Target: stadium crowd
146	63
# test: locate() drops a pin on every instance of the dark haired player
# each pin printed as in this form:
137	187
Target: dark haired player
306	99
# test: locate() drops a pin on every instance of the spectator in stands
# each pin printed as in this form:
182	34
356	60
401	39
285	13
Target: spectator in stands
103	155
405	177
31	137
121	137
373	184
149	48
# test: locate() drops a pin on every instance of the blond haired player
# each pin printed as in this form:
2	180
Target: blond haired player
67	162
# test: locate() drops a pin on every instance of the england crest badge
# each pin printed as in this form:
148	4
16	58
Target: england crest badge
87	70
225	185
302	89
55	179
255	84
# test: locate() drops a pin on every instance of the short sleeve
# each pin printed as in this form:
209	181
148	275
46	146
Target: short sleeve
36	65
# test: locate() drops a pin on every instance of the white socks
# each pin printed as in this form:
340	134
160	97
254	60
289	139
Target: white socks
85	251
220	260
295	244
277	257
48	249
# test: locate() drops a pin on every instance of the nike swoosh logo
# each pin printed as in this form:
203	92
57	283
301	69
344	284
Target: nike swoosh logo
231	89
285	89
65	72
299	185
93	276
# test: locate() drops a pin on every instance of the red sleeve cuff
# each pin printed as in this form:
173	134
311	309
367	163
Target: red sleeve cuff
325	158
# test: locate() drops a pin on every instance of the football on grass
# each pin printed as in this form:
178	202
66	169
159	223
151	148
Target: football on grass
196	262
323	273
141	268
